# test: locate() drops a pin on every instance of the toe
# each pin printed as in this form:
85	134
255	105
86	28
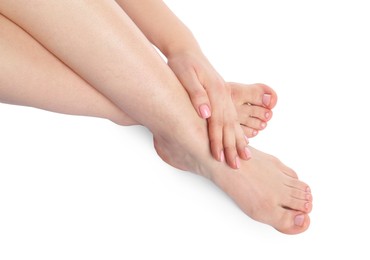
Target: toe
249	132
292	222
245	112
301	194
269	96
256	94
297	204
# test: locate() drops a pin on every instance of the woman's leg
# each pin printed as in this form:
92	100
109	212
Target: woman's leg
101	44
31	76
41	80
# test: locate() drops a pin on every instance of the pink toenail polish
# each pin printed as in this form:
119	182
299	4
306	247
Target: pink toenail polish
205	111
298	220
266	99
267	115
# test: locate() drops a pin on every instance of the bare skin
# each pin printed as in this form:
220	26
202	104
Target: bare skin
208	92
46	83
262	187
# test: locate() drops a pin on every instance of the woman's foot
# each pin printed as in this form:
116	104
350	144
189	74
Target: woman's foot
269	192
263	187
254	104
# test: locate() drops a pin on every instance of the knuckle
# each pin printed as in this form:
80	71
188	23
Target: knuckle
216	122
218	84
197	94
230	148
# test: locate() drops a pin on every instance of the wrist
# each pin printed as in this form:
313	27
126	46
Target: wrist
181	47
184	51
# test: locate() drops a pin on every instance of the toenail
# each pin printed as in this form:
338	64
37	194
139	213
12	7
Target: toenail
205	111
266	100
267	115
298	220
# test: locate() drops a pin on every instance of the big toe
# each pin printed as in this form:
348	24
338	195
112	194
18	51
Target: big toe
292	222
256	94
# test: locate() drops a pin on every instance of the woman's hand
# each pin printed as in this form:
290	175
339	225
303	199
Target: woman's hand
212	100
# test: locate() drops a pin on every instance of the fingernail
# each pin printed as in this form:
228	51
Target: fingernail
237	162
246	139
308	189
298	220
263	125
248	153
266	99
222	156
205	111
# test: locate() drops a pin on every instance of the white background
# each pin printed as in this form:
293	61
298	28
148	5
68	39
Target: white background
84	188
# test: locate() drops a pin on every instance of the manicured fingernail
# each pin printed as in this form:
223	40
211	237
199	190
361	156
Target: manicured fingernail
255	132
237	162
298	220
263	125
308	196
205	111
308	189
246	139
266	99
248	153
222	156
307	205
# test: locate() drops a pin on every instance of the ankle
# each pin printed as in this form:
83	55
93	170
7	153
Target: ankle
185	150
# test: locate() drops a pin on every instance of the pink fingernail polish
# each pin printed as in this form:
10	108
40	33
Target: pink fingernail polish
222	156
246	139
248	152
263	125
205	111
299	220
237	162
266	99
255	132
